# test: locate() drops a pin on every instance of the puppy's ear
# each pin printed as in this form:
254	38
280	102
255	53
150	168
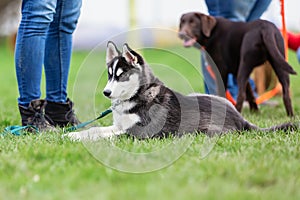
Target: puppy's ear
207	23
111	51
129	56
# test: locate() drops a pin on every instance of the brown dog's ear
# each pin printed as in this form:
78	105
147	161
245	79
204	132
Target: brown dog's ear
207	23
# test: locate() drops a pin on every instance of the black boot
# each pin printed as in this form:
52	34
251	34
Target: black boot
61	114
34	115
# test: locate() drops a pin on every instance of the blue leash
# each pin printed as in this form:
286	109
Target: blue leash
103	114
18	130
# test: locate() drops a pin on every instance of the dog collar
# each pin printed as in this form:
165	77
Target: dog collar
115	104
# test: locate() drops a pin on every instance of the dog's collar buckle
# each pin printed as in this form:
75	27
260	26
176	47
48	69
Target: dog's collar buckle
115	104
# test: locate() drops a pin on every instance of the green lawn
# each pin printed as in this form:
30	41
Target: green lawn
247	165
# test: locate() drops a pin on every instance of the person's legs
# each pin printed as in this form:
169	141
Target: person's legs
215	8
209	82
220	8
29	58
58	49
30	45
242	9
226	9
57	63
258	9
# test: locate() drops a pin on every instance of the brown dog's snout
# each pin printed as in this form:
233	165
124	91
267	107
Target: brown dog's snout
182	35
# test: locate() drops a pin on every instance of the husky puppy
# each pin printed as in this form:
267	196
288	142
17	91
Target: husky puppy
144	107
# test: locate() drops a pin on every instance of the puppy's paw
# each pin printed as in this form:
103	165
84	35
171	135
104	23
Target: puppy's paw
83	136
74	136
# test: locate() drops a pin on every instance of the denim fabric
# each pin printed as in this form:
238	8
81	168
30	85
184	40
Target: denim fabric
249	10
258	8
45	39
235	10
209	82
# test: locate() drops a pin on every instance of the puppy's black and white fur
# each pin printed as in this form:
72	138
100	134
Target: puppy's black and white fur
144	107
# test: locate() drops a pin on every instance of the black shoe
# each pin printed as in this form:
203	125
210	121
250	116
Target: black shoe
34	116
61	114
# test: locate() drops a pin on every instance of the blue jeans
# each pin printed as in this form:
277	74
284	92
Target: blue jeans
235	10
45	38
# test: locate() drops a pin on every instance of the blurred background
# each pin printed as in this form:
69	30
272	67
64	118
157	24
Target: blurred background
101	20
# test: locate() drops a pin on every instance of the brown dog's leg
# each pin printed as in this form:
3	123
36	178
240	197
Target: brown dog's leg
284	79
243	75
241	95
240	100
250	98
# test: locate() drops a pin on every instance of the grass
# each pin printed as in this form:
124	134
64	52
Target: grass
246	165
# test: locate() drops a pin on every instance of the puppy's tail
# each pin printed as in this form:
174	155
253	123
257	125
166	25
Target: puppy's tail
275	46
290	126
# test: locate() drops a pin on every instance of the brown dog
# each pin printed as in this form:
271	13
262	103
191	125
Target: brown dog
237	48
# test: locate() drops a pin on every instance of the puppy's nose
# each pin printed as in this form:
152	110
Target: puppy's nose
107	93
